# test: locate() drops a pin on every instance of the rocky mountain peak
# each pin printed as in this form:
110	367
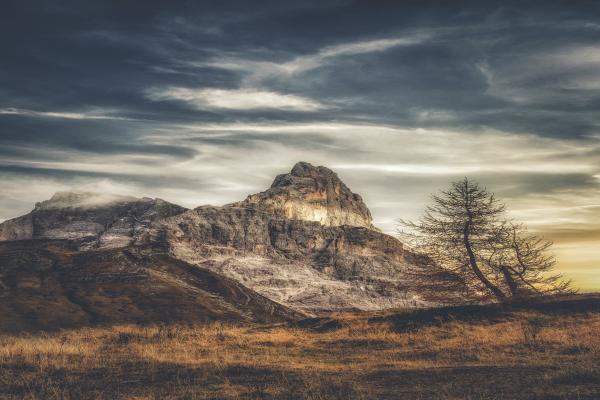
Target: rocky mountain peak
306	170
312	194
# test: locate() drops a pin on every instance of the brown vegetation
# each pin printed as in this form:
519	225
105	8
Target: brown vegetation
551	351
49	285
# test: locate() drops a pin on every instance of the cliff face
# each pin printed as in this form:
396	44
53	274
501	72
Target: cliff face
233	230
301	264
311	193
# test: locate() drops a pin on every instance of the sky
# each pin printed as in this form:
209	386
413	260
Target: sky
205	102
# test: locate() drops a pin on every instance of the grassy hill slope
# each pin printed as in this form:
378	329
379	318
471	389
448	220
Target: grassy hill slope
549	350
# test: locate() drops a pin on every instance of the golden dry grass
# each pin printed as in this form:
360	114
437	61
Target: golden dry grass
526	355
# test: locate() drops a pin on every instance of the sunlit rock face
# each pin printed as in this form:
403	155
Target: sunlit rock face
312	193
93	220
301	264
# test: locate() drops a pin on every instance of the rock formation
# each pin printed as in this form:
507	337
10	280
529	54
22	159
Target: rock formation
311	193
301	264
92	220
307	243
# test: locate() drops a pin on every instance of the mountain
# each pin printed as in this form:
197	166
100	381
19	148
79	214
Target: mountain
306	244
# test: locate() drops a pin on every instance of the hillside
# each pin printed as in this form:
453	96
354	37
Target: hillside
545	351
49	285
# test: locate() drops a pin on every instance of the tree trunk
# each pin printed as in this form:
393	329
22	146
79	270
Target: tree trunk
512	285
473	263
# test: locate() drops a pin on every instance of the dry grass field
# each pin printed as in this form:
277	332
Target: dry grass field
468	354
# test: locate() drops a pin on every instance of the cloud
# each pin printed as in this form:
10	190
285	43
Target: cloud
312	61
259	70
235	99
444	169
423	151
548	75
102	114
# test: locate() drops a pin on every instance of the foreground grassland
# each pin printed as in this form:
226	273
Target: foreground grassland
521	354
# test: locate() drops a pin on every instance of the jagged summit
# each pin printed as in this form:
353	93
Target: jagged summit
312	194
303	169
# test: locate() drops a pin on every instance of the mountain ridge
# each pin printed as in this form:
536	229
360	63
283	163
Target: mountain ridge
312	262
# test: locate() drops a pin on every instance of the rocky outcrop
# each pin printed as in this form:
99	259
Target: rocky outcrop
301	264
232	230
312	193
92	220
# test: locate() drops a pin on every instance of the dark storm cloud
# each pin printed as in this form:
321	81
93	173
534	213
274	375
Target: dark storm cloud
93	136
472	63
201	87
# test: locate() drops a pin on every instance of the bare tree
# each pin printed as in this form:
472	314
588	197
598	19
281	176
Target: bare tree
529	266
465	235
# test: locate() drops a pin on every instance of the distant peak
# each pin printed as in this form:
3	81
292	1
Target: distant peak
80	199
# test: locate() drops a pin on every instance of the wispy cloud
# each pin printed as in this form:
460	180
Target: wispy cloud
404	151
236	99
425	169
258	70
556	74
308	62
102	114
